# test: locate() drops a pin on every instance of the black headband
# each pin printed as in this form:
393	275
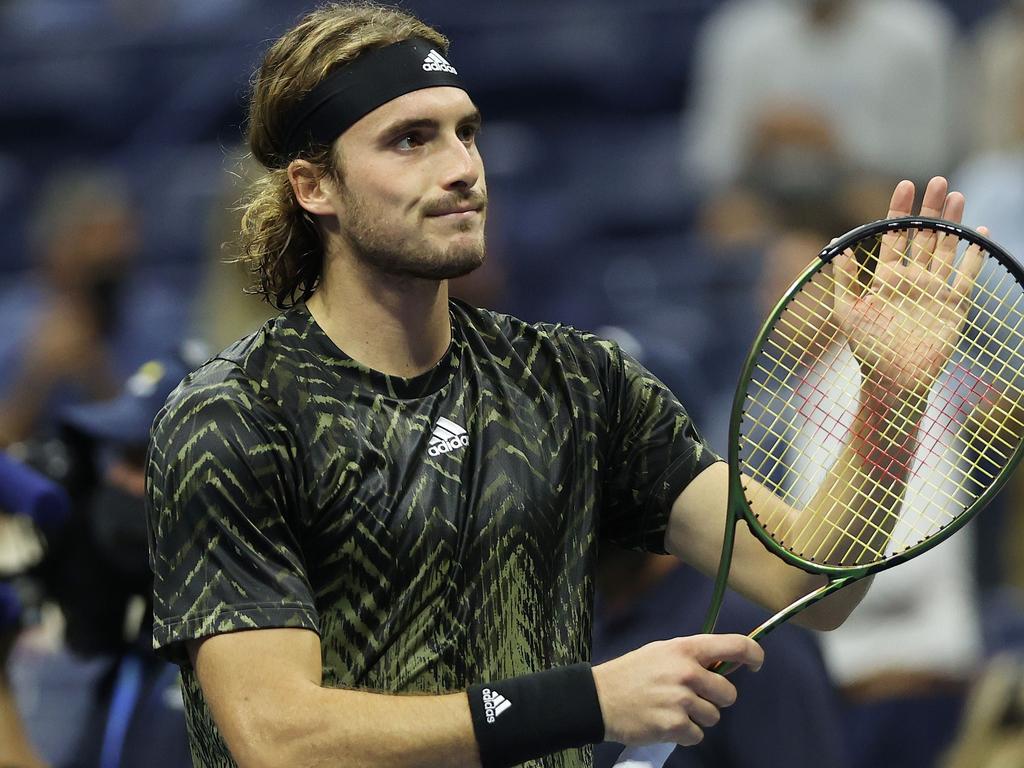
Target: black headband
356	89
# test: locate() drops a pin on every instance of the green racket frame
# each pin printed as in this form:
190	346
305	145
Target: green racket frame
738	509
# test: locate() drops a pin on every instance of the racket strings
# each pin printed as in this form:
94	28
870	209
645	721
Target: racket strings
1012	341
925	439
786	481
860	489
803	391
781	364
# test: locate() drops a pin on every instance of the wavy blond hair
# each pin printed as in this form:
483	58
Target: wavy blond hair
279	241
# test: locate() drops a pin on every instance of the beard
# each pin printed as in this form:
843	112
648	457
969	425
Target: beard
394	251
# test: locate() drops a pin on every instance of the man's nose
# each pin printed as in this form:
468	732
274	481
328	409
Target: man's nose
462	166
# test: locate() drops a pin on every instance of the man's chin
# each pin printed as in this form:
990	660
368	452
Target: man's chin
451	266
461	258
458	268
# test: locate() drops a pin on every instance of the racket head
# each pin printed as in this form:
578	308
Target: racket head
784	418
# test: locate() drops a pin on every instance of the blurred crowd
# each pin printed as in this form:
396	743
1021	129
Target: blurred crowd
660	172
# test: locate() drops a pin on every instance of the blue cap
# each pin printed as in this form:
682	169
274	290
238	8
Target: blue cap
126	419
25	491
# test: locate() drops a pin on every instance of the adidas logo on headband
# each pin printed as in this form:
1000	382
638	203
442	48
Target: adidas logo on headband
435	62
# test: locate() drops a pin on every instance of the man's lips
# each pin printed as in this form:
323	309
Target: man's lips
456	213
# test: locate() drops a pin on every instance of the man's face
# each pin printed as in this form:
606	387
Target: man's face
412	200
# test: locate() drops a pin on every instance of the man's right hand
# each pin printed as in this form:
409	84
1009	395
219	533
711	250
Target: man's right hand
664	691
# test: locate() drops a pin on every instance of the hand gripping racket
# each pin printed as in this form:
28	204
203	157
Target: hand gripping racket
881	406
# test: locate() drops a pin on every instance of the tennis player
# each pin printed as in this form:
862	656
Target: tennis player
374	522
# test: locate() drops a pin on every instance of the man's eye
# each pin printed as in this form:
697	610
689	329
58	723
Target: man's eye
411	141
468	133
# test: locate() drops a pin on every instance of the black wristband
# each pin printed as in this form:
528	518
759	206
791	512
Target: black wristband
530	716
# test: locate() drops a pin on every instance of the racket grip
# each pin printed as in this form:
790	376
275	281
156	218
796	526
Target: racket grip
650	756
724	668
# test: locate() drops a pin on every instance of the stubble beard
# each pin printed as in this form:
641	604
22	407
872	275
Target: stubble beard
395	253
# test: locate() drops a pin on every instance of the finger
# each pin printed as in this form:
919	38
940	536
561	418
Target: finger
713	687
902	201
945	252
844	274
967	274
703	713
689	735
736	648
954	208
923	245
894	244
934	197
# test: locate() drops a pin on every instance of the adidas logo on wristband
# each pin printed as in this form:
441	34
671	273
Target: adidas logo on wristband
494	704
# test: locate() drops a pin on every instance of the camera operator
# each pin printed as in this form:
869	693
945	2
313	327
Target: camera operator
107	702
100	575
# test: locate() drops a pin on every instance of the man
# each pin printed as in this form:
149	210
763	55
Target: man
386	492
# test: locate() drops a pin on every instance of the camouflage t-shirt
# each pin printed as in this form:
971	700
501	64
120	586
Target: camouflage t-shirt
435	531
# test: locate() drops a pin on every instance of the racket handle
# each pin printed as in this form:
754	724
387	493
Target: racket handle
724	667
650	756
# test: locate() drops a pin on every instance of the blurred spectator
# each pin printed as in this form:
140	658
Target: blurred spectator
81	319
30	504
786	84
108	564
904	659
993	181
996	80
97	570
992	732
789	704
16	749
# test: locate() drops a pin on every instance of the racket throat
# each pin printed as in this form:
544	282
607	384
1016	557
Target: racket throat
805	602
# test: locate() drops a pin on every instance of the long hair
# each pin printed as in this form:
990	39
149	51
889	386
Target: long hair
279	241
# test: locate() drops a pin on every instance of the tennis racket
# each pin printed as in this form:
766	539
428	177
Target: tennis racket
881	406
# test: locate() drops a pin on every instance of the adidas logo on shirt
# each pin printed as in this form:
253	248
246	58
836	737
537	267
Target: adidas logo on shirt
494	704
446	437
435	62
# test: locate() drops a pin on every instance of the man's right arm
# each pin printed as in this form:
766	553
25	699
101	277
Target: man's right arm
265	691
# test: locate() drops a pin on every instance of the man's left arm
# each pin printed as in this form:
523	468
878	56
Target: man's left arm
695	532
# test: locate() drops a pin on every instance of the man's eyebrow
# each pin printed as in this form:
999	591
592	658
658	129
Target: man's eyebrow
411	124
404	126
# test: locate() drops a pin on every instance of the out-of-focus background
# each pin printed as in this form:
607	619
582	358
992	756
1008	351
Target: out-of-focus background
659	171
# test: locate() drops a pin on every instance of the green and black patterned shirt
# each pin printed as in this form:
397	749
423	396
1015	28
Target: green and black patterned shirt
435	531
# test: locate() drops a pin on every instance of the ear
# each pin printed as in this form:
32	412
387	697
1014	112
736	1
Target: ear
311	187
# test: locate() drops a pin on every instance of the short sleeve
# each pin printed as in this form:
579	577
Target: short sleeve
221	490
654	450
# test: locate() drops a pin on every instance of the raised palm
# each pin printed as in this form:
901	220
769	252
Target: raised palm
903	326
904	323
